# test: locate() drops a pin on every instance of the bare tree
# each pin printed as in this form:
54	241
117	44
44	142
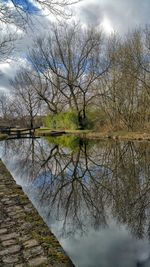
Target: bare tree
19	12
126	87
4	106
47	90
77	58
7	40
27	97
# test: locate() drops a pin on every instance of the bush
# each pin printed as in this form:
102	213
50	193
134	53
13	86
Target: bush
63	120
66	120
95	119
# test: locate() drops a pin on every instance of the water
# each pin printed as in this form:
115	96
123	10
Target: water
94	196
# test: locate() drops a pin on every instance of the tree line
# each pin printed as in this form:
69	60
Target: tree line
98	78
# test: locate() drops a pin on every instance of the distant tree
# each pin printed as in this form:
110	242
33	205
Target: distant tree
27	98
4	105
47	91
126	88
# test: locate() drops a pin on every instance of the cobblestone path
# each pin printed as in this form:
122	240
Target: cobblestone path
25	240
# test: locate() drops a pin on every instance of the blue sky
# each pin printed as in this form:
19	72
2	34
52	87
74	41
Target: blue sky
25	4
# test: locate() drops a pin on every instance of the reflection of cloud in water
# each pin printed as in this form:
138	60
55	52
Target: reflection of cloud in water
110	247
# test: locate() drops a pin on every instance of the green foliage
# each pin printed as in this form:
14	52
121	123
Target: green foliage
73	143
63	120
68	141
67	120
95	119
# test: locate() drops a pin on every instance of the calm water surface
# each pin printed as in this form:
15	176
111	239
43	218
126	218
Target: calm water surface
94	196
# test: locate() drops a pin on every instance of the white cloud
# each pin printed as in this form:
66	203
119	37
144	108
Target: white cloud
107	26
112	15
123	15
8	71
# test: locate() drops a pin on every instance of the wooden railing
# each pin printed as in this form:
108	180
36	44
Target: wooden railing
18	132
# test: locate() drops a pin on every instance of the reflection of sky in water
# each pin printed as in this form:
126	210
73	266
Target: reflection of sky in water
111	246
107	248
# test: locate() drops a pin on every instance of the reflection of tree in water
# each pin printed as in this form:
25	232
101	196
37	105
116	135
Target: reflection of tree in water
90	184
26	154
70	190
131	186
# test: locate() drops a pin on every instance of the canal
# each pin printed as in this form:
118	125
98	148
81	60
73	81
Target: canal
93	195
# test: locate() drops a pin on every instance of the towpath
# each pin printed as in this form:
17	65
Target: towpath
25	240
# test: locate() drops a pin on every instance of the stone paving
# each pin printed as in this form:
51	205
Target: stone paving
25	240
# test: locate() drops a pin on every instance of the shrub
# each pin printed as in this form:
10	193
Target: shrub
63	120
95	119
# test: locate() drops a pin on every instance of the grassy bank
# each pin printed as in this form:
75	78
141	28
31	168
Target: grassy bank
120	135
97	125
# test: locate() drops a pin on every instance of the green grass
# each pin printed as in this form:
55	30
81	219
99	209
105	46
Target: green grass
3	137
91	134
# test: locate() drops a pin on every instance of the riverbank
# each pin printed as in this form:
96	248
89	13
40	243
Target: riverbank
130	136
25	240
89	134
120	135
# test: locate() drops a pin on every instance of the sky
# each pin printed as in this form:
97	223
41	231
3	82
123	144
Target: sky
113	15
27	5
120	15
